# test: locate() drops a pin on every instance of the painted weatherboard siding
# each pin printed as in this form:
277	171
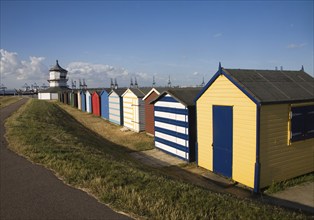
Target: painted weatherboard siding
129	100
96	100
225	93
104	107
88	102
79	100
279	159
83	101
140	119
172	127
115	109
133	112
149	113
75	101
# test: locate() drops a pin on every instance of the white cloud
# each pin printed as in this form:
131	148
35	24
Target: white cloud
15	71
99	75
293	46
95	71
195	73
217	35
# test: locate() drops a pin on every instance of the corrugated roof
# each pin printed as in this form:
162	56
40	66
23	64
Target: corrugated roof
157	90
137	92
145	90
185	96
268	86
119	91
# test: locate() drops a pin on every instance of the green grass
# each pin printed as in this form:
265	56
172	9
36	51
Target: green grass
111	132
8	100
280	186
46	134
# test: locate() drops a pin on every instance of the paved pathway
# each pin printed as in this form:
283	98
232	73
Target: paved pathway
30	192
302	194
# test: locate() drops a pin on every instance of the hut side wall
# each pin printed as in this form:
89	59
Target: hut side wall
149	113
141	115
75	102
280	159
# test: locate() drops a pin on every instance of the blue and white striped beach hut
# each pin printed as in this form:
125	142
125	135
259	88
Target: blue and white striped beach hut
116	106
175	128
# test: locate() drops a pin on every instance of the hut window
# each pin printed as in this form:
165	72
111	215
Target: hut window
302	123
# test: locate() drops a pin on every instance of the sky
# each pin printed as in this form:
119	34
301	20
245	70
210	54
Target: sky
183	40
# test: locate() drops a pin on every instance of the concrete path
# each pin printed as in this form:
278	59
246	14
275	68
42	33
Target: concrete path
302	194
156	158
296	198
29	191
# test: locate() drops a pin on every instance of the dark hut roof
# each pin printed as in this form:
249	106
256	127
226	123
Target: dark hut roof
269	86
119	91
158	89
185	96
138	92
58	68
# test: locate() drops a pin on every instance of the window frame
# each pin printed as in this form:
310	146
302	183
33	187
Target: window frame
301	127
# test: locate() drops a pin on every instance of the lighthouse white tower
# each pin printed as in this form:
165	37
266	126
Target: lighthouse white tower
57	82
58	76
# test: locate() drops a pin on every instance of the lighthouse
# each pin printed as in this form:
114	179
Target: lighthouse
57	76
57	83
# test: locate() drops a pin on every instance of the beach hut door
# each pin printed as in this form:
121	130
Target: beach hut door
222	140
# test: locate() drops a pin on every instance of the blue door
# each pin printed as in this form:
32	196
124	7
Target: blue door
222	140
104	105
83	101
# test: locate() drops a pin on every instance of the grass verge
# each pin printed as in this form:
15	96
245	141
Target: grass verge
8	100
46	134
280	186
112	132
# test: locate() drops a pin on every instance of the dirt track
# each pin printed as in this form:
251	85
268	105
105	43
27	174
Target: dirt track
29	191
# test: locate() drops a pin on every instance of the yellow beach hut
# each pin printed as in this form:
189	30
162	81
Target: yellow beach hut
256	126
134	109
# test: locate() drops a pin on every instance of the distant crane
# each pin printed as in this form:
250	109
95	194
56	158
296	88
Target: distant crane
131	83
35	87
44	86
26	87
154	83
111	83
135	83
73	84
80	84
169	82
84	84
3	88
203	82
115	83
